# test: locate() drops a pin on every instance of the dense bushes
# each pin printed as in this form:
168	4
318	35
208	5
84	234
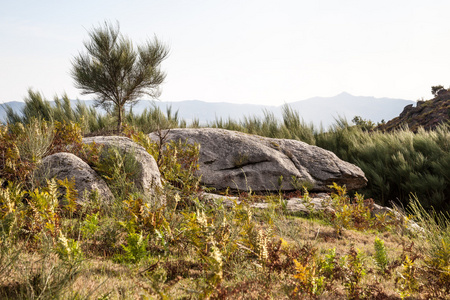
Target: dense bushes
23	146
397	164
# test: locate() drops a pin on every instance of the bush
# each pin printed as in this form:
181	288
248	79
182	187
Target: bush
397	163
22	147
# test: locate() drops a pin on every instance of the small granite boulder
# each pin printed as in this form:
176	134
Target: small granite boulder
148	176
66	165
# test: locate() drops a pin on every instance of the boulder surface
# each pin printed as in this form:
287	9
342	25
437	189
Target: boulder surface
239	161
148	176
66	165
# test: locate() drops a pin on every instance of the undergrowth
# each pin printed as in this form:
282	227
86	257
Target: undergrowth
54	246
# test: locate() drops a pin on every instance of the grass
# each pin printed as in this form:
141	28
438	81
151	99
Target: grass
183	273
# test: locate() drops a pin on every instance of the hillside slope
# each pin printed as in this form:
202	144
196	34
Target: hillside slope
327	109
427	114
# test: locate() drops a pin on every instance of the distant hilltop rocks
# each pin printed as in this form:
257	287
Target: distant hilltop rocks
427	114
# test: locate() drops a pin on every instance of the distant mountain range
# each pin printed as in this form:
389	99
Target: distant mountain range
318	110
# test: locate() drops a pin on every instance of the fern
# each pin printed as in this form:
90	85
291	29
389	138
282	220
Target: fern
406	280
136	247
69	251
70	195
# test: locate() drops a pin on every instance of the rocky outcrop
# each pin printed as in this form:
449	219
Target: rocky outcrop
66	165
148	177
426	114
239	161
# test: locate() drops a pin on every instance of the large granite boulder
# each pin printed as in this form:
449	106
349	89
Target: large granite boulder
66	165
148	177
240	161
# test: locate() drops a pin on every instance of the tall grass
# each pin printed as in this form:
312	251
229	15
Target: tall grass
90	120
436	235
37	107
292	125
153	119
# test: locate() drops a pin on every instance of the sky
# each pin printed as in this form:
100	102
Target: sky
256	52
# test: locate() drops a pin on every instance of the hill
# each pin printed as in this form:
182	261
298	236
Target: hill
317	110
16	106
327	109
427	114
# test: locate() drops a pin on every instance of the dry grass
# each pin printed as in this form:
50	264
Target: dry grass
182	274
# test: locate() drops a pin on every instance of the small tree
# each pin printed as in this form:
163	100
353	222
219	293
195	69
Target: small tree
365	125
435	89
116	72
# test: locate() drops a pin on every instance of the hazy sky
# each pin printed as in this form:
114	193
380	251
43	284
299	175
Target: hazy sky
261	52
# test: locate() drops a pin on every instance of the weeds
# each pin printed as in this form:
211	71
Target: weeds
406	280
357	213
136	247
436	235
308	279
354	271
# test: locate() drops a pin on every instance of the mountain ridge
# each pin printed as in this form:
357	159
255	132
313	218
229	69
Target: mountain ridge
316	110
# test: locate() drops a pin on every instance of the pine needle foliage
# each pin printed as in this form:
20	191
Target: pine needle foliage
116	72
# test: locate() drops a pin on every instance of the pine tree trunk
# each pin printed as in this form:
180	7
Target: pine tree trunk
119	121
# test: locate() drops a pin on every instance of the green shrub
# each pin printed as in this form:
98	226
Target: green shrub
90	226
69	251
380	257
178	161
136	247
397	163
119	170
